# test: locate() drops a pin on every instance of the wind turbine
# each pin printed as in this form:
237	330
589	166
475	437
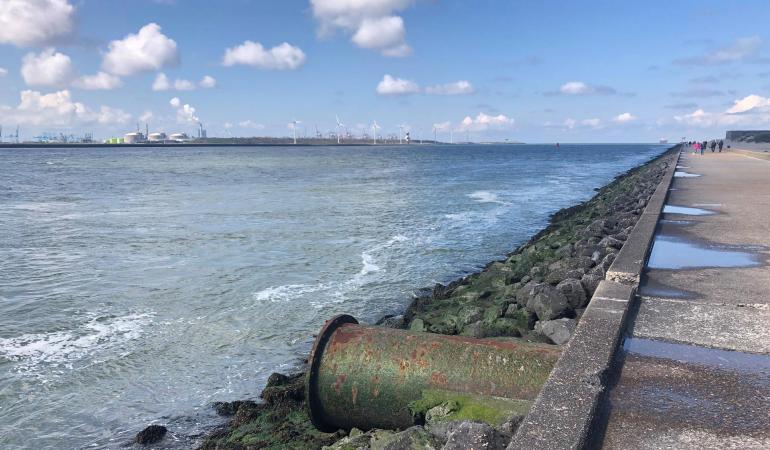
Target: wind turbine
340	126
451	135
401	133
374	131
294	129
434	134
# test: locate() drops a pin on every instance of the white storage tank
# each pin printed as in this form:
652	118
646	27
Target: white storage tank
133	138
156	137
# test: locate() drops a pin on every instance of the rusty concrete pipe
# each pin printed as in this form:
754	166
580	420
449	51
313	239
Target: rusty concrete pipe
367	376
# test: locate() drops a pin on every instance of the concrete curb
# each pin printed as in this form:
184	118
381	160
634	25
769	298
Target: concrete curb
563	413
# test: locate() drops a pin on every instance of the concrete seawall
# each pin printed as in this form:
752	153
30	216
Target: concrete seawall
565	411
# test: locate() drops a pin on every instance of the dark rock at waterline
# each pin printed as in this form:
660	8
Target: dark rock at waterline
230	408
473	435
391	321
151	435
282	388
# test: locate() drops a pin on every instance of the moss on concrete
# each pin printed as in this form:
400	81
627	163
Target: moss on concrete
477	408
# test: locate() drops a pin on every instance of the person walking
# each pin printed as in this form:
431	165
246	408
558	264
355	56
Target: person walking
721	143
713	145
703	147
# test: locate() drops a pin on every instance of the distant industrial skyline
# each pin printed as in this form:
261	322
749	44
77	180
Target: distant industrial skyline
533	71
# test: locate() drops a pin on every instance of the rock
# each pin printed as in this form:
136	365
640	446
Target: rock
511	425
610	242
555	276
525	293
607	261
502	326
413	438
441	412
151	435
537	273
598	255
598	271
472	435
510	312
590	282
391	321
417	325
493	312
230	408
576	273
573	290
558	331
469	315
548	303
565	251
356	439
445	325
474	330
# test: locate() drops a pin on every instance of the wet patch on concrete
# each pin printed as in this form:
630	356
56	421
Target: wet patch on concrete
682	167
670	252
650	287
686	210
659	399
702	356
675	222
707	205
683	174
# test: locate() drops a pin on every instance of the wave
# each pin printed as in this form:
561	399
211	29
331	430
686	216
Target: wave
286	292
66	348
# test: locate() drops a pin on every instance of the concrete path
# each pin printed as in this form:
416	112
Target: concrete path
696	369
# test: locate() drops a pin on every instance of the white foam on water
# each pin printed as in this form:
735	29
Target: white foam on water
485	197
286	292
36	351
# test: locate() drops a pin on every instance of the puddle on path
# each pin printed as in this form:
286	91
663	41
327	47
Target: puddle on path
692	354
652	288
673	209
670	252
682	167
708	205
675	222
683	174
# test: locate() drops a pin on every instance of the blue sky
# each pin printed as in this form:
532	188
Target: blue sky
534	71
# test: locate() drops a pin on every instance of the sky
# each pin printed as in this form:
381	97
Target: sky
530	71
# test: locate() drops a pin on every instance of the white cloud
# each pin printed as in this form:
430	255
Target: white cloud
742	49
386	34
57	109
251	124
184	112
207	82
484	121
146	116
26	23
162	83
47	68
396	86
624	118
749	103
280	57
571	123
372	24
581	88
461	87
3	72
442	126
593	122
101	81
147	50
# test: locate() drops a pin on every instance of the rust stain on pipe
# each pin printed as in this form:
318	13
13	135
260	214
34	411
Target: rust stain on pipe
366	377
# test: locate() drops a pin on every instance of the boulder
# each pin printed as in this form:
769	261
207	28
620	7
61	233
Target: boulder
574	291
558	331
590	282
472	435
391	321
413	438
610	242
469	315
548	303
417	325
151	435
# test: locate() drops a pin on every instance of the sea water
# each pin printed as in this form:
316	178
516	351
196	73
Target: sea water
140	285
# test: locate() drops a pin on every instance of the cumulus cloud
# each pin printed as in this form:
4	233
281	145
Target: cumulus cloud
207	82
280	57
581	88
396	86
749	103
624	118
251	124
102	81
571	123
146	116
3	72
26	23
484	121
740	50
58	109
47	68
184	112
461	87
372	24
147	50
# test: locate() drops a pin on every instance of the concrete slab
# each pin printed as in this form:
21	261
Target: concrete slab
727	326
